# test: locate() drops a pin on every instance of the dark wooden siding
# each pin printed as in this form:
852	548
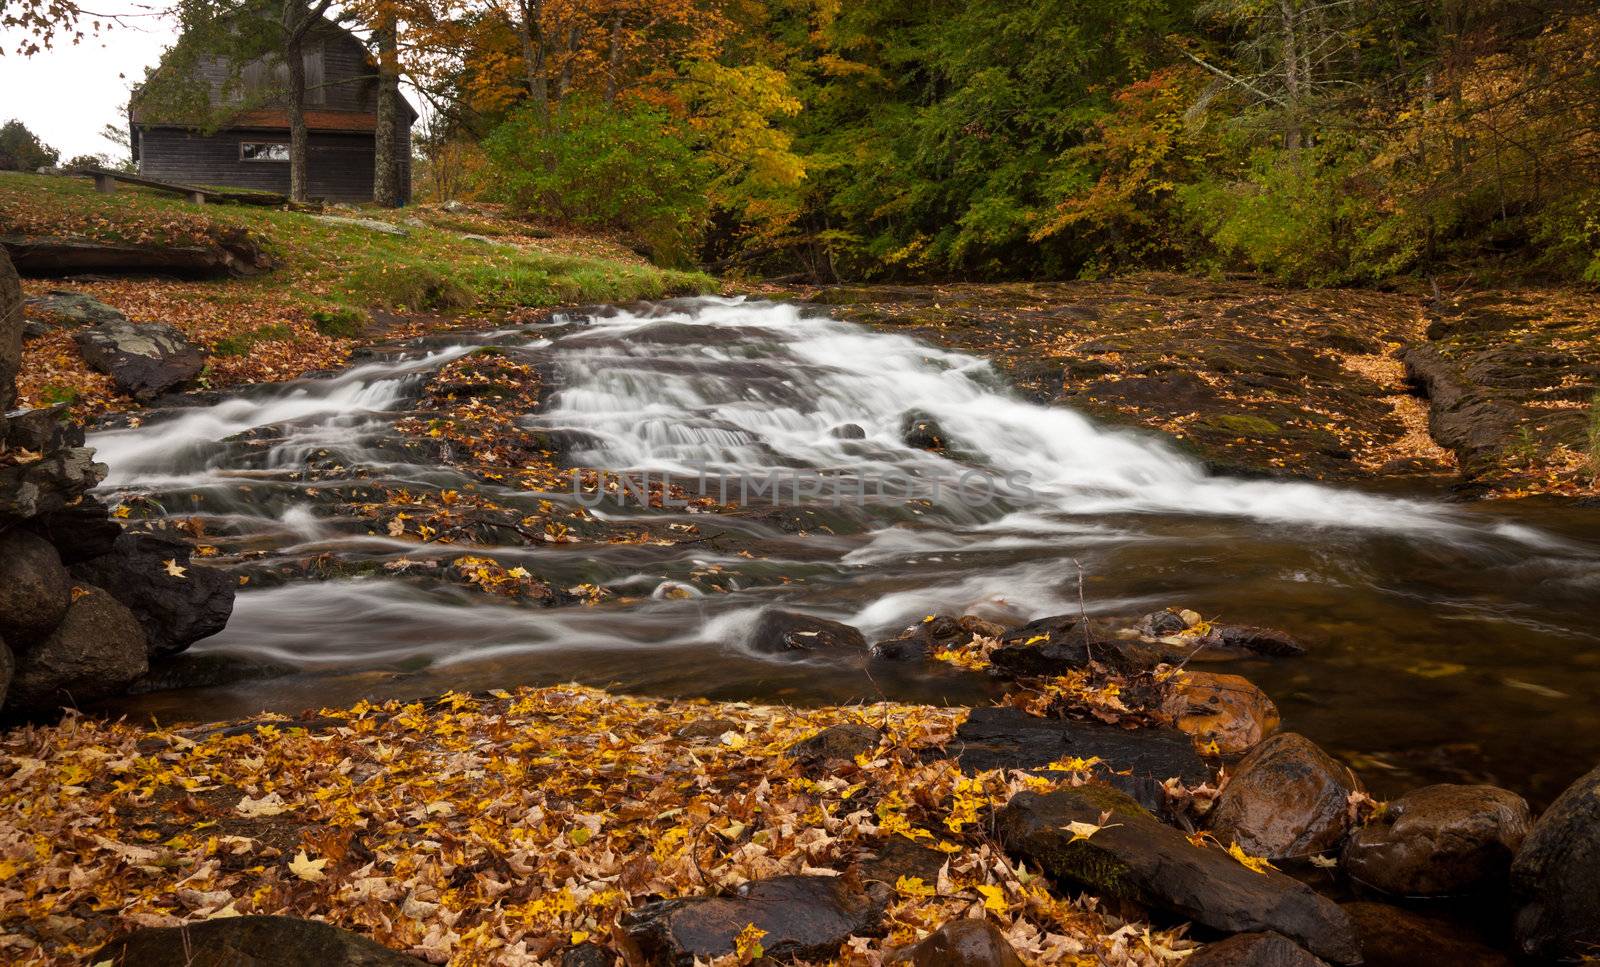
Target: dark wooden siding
340	164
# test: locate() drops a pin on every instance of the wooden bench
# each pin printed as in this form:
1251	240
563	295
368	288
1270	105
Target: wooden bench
105	182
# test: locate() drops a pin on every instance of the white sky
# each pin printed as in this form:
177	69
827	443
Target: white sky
66	94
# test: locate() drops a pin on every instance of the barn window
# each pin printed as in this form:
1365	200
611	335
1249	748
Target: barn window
263	151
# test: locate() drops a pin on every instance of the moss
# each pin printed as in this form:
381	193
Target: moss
1242	424
342	322
241	343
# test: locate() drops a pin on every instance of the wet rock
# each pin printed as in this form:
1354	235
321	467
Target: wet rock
805	918
34	588
1288	798
1555	878
848	431
143	361
981	627
922	432
838	742
1048	646
79	532
588	955
1158	624
965	943
48	484
900	857
1134	857
74	308
207	671
1440	840
96	651
1392	937
778	632
1008	738
42	429
10	333
176	610
1262	949
1250	640
1225	709
251	941
919	640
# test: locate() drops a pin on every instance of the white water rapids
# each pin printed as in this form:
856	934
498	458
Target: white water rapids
1404	601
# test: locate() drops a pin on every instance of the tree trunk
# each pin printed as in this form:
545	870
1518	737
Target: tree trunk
1291	72
614	58
570	55
531	32
298	176
387	189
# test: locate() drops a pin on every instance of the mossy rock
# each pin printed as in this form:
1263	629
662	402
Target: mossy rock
1242	424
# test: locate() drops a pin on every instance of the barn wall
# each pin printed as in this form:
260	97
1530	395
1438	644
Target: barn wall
340	164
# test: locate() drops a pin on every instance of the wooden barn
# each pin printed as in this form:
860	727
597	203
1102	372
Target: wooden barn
251	147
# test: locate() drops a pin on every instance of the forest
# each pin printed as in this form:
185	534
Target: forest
1317	141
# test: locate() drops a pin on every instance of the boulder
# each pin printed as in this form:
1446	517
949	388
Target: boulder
1392	937
10	333
922	638
97	650
1224	709
805	918
252	941
1048	646
1261	949
1287	798
965	943
1250	640
1555	878
48	484
81	531
780	632
1134	857
922	432
175	609
848	431
74	308
1159	624
836	743
34	588
1440	840
1142	759
42	429
143	361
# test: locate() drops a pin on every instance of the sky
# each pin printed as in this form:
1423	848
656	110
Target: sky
66	94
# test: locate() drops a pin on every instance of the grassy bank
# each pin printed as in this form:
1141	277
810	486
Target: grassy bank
331	280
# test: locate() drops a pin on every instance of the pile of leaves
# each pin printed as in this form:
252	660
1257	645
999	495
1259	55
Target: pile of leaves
506	828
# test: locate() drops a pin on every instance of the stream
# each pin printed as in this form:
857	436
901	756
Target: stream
1448	642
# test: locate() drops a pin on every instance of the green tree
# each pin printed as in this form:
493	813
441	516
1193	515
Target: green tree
21	149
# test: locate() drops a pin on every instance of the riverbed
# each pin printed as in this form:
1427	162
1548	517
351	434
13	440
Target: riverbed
1447	641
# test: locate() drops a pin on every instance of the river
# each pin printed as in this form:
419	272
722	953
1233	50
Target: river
1448	642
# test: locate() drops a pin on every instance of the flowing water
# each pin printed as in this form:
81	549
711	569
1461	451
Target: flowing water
1448	642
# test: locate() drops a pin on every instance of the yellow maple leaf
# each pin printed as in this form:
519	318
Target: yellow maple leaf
1082	830
307	868
994	898
1258	864
747	945
173	568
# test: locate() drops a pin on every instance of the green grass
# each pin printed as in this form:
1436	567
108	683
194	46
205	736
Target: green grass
340	270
